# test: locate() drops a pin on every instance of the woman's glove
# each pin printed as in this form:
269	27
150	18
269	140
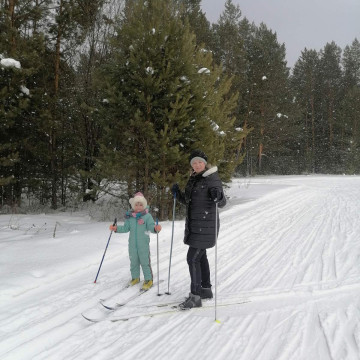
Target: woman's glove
175	189
113	228
215	195
157	228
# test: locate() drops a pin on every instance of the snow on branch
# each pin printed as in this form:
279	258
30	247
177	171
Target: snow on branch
10	63
204	71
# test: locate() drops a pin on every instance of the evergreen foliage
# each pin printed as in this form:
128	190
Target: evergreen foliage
268	102
113	92
166	97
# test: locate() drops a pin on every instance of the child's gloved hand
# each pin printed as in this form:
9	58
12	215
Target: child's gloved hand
157	228
113	228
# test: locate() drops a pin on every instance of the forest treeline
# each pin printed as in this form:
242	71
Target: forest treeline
111	92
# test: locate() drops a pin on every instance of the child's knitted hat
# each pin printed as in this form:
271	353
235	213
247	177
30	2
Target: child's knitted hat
139	197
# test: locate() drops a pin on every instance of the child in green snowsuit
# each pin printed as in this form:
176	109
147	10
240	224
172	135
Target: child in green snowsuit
139	222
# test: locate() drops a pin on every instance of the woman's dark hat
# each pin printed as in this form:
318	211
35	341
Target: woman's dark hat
198	155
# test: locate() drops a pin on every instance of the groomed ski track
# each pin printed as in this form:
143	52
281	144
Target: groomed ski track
290	245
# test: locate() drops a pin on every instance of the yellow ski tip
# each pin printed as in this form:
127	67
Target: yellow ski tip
218	321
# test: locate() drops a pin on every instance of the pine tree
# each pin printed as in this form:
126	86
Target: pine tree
305	84
351	65
44	42
268	100
330	80
348	123
20	40
191	11
229	52
87	99
12	110
233	38
165	98
66	27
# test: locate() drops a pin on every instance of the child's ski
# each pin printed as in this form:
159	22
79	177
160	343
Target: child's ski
169	310
117	292
123	303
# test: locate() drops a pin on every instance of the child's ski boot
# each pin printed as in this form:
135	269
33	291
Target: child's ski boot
134	281
147	285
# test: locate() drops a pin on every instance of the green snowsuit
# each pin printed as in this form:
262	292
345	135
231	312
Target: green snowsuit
139	225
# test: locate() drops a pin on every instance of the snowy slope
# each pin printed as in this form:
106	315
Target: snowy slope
289	246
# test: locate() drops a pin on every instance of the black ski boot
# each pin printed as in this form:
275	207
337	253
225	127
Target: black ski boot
191	302
206	293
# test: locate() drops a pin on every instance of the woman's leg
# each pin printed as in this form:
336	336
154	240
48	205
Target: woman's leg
205	271
194	257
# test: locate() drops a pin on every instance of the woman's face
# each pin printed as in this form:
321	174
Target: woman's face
198	166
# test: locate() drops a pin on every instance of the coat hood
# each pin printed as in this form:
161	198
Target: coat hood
210	171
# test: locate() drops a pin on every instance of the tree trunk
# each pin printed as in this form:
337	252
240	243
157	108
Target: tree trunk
57	52
35	21
313	133
261	140
261	148
330	117
147	169
53	137
12	4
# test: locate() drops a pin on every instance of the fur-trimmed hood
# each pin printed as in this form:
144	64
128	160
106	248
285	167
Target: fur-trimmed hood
210	171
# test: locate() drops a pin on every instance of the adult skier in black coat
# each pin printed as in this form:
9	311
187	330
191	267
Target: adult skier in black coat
203	190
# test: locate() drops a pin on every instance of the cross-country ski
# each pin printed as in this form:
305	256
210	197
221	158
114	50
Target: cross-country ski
167	310
113	306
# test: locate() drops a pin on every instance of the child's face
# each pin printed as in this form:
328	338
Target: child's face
138	207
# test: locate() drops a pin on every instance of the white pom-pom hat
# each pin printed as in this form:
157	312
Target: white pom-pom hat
139	197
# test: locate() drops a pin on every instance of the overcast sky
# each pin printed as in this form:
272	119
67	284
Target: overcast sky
299	23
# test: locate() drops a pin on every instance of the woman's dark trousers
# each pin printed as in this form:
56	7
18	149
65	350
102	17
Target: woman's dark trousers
199	270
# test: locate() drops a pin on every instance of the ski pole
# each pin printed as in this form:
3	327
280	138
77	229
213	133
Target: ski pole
216	235
172	239
115	221
157	258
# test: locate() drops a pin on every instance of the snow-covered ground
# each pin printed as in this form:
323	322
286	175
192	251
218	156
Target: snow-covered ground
289	247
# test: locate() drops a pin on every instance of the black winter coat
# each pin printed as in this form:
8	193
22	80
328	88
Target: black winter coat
201	208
